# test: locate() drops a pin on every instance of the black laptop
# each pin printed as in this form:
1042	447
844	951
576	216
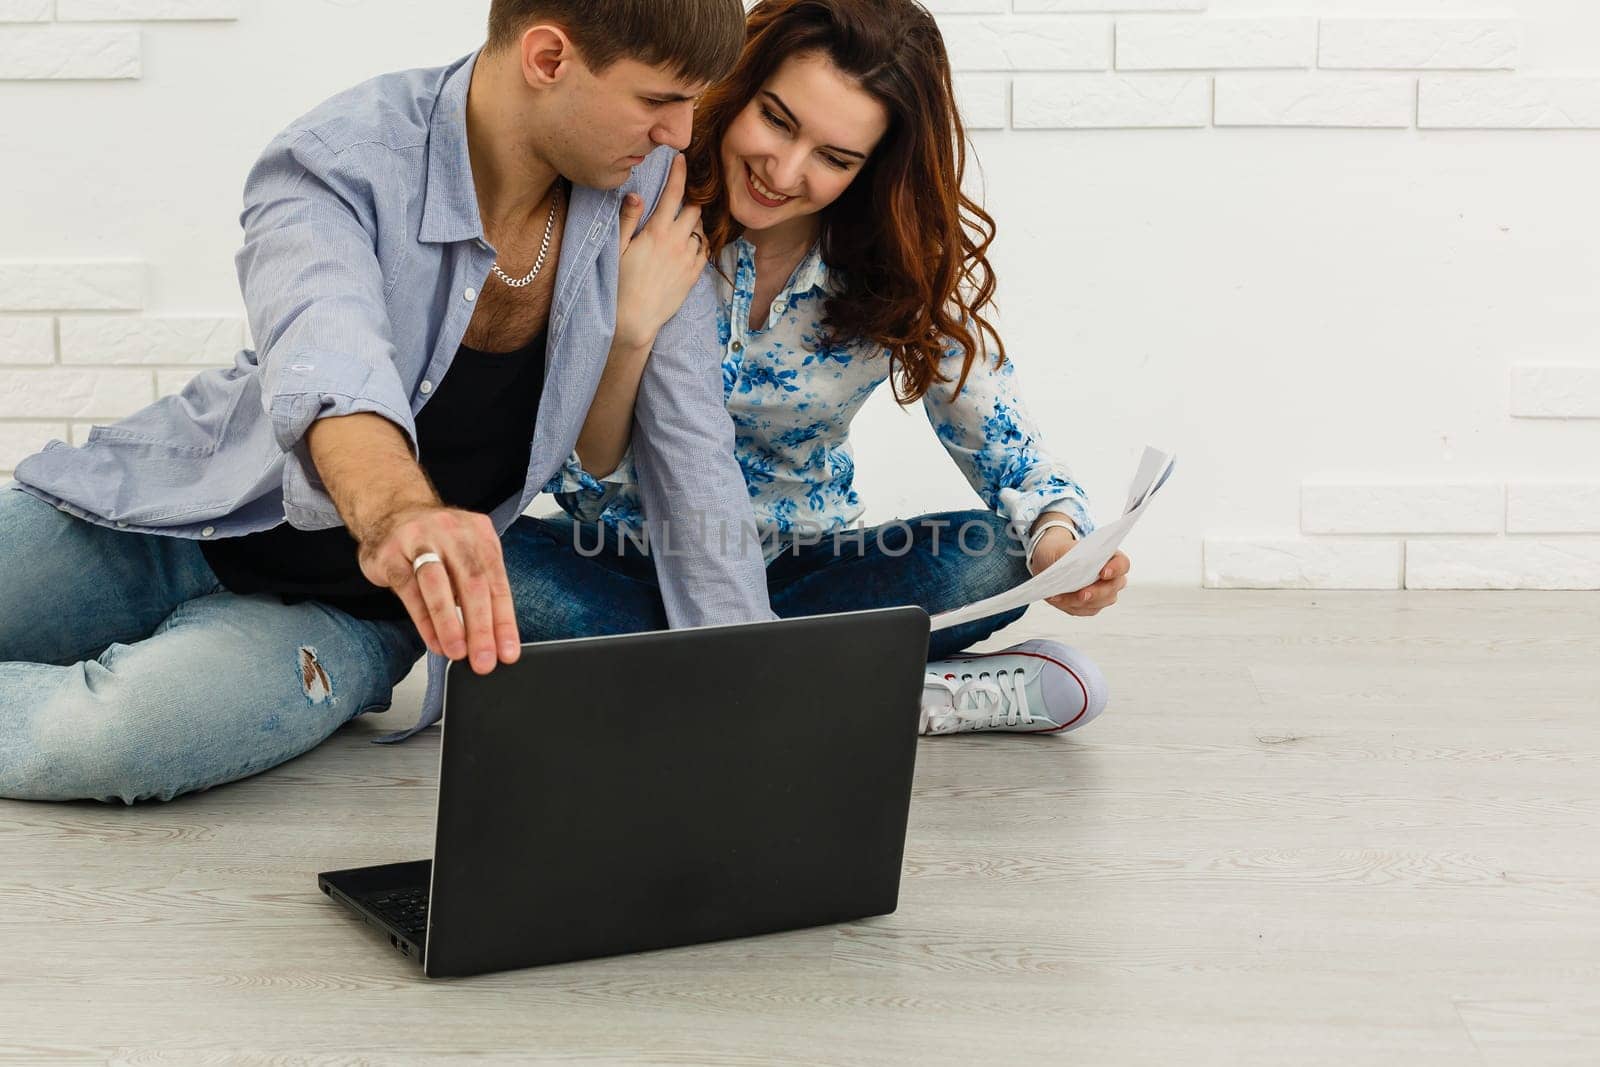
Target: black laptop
619	794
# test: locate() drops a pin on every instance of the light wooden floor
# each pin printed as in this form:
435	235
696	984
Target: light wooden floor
1312	828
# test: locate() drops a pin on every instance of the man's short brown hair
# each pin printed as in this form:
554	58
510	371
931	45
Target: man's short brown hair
699	40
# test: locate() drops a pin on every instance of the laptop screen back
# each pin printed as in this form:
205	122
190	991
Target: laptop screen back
620	794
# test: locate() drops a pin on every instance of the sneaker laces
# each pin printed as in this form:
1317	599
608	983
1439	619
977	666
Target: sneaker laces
989	701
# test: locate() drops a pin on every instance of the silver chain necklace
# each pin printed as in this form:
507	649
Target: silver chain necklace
544	248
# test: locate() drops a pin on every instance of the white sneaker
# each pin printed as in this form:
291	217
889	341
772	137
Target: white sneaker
1037	687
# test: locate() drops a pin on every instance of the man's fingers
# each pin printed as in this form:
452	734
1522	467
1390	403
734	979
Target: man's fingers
507	640
439	596
411	597
460	601
479	615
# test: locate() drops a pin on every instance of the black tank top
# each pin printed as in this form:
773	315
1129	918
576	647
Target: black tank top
473	436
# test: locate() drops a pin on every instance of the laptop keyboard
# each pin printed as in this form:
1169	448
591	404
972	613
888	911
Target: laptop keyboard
406	909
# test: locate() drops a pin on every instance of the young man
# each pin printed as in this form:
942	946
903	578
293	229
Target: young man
215	584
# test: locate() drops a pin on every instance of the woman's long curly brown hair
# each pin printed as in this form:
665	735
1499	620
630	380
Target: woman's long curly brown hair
907	245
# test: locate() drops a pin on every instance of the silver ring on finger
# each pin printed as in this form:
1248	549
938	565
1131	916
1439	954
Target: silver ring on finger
423	560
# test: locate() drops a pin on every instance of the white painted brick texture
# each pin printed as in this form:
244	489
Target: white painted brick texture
979	7
74	394
1028	44
111	286
984	101
1555	391
1215	43
144	10
1029	6
1295	100
27	340
1509	103
19	440
1418	508
25	10
1099	102
53	53
1419	44
1503	564
1291	564
119	339
1553	507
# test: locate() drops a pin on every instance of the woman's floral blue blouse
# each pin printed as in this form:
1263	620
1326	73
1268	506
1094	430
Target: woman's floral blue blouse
793	397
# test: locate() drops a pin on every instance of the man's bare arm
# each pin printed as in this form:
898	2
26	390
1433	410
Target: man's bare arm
394	514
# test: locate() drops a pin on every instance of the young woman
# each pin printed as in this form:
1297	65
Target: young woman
828	173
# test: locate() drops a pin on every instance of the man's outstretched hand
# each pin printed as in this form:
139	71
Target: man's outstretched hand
470	574
460	605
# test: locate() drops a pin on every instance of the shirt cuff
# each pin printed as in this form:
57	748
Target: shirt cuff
1022	510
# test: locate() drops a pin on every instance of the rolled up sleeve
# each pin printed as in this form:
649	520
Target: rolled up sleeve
582	495
315	291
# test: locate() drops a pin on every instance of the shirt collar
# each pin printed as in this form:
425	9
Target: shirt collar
812	273
450	205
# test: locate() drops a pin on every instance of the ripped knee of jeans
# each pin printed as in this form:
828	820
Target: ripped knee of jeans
314	680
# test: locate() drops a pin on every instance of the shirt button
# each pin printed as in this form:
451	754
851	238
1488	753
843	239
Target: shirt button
779	308
738	346
426	387
471	294
208	531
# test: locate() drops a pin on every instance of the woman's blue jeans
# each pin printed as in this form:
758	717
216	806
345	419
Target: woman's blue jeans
128	673
580	579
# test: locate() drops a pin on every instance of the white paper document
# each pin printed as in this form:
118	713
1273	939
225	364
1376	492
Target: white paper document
1082	566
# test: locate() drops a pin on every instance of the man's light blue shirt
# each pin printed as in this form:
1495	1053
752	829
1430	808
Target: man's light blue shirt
362	258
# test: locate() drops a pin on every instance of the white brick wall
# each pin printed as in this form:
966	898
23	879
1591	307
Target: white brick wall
1109	5
144	10
1521	564
1553	507
18	440
1295	100
25	10
1509	103
48	52
1088	102
149	341
941	7
60	373
1327	508
1291	564
1555	391
27	340
1114	36
1215	43
33	47
1420	44
1028	44
983	100
55	286
58	393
